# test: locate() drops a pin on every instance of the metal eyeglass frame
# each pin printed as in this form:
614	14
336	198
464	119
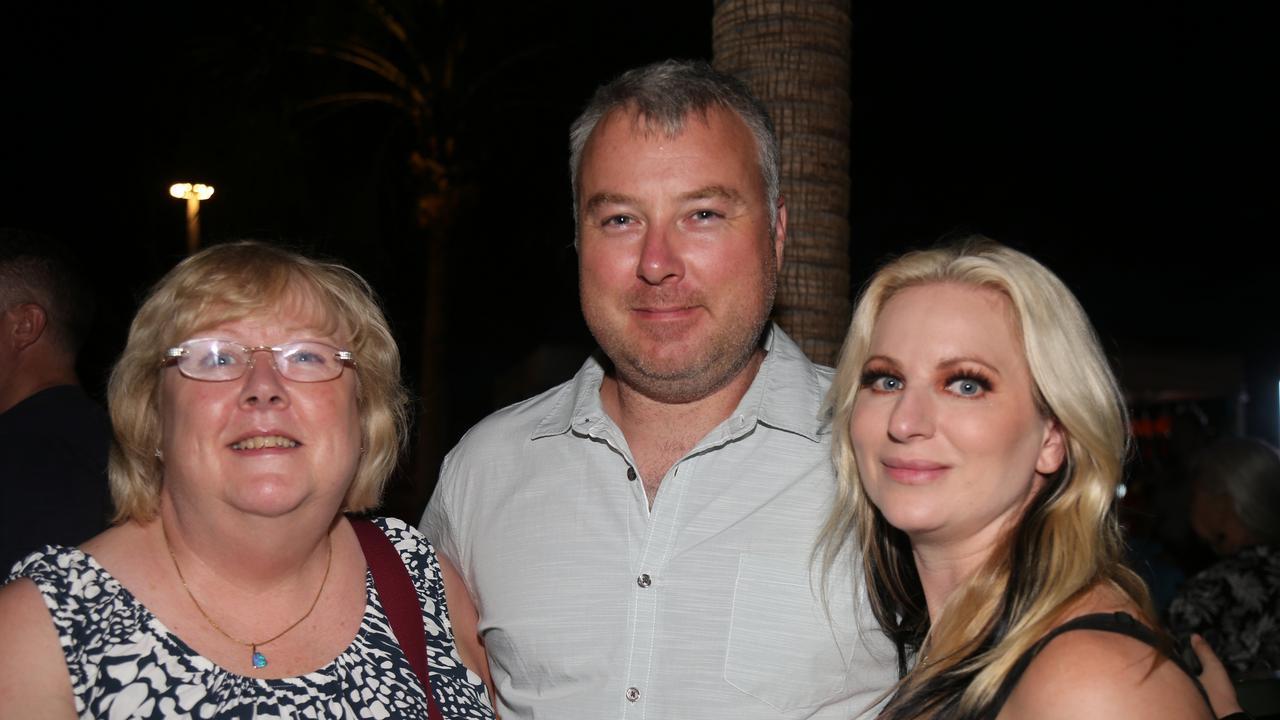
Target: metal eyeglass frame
174	354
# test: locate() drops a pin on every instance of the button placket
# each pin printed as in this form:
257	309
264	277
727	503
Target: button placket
651	562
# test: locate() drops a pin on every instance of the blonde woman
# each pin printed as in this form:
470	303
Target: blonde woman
979	439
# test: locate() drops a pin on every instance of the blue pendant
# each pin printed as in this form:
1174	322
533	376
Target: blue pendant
259	660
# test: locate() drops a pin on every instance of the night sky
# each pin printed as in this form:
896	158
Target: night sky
1126	145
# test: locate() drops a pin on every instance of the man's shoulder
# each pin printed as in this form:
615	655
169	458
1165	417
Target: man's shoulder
56	405
60	430
547	413
526	414
495	452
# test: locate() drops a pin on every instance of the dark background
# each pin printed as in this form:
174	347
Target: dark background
1125	144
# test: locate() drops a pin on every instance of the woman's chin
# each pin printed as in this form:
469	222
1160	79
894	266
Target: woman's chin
270	497
915	521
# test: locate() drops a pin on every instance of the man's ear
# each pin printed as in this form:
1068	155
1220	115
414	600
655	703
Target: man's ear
28	322
780	231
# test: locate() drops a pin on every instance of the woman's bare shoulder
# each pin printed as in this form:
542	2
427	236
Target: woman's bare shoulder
33	674
115	542
20	605
129	554
1097	673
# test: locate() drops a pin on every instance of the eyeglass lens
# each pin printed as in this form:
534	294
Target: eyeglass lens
217	360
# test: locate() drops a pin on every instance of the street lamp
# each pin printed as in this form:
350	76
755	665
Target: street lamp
193	194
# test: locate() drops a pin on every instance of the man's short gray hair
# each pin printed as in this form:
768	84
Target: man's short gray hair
38	269
664	95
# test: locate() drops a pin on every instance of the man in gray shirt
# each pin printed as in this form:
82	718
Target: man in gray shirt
639	540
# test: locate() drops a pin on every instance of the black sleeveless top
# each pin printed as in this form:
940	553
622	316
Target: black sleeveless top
1119	622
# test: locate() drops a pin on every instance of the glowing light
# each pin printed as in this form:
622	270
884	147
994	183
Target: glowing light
193	193
187	191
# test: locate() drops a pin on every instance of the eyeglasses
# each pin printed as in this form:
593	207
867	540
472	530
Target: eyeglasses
214	360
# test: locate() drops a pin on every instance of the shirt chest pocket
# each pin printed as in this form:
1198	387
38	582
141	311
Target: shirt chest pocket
784	649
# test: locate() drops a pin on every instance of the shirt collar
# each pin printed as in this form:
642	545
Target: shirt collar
789	390
579	406
787	394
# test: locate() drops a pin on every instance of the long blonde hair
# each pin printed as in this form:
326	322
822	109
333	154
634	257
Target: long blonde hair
1067	542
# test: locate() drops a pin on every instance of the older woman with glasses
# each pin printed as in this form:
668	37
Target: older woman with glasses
258	401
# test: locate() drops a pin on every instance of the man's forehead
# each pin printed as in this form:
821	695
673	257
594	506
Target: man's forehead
647	126
706	192
628	125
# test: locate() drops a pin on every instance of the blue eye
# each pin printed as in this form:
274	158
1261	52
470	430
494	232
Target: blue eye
307	354
968	386
308	361
217	358
887	383
881	382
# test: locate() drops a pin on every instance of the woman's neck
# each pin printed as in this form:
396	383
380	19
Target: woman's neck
942	569
251	554
945	559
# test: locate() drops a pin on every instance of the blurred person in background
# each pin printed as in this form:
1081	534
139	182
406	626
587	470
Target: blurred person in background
53	437
1235	603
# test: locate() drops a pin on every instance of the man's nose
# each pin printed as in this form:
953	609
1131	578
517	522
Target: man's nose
660	258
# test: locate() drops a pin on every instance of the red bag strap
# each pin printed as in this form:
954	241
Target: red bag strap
399	601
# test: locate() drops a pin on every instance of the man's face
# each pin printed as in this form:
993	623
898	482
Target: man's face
677	265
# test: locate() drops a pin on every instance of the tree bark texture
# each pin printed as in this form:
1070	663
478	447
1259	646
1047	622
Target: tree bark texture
795	57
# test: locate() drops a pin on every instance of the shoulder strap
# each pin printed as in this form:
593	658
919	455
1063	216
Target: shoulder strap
399	601
1119	622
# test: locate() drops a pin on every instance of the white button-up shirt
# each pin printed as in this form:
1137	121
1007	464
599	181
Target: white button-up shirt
709	605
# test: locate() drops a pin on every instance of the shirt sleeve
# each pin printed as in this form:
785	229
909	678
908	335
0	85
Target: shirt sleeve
438	520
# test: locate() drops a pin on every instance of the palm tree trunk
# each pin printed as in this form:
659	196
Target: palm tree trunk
794	55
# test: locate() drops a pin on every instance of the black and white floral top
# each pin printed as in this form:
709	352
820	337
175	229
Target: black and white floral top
1235	606
124	662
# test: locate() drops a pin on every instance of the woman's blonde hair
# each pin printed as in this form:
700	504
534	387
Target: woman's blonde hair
1067	542
225	283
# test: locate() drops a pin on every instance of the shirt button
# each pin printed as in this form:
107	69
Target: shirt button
633	694
631	473
644	580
